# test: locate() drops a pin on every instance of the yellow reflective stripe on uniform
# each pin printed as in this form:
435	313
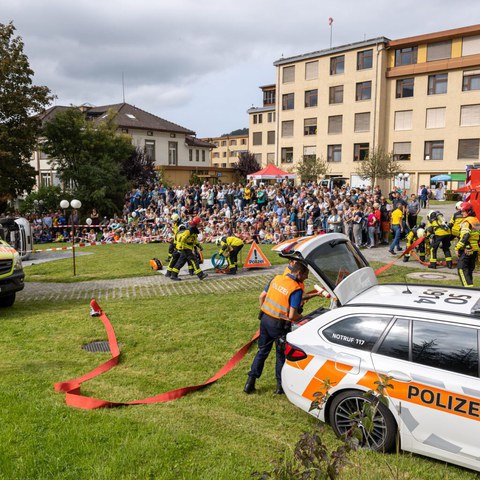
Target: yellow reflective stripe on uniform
277	312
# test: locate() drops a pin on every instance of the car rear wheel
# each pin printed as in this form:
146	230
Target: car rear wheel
345	413
7	300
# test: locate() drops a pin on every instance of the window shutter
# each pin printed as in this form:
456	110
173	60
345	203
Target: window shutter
439	50
362	122
287	128
470	115
311	70
257	138
402	148
335	124
403	120
271	137
468	149
471	45
435	117
312	150
289	74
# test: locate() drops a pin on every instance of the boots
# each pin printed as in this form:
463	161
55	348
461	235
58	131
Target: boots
174	276
422	258
449	264
406	258
433	265
279	389
232	271
168	274
202	275
249	385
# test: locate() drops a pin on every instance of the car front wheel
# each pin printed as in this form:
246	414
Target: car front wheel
346	412
7	300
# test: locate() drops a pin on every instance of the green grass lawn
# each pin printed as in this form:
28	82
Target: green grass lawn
167	342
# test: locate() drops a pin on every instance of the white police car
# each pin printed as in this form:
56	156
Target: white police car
426	338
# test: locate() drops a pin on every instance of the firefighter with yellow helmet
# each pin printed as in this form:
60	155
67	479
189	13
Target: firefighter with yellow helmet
187	241
467	245
438	232
230	248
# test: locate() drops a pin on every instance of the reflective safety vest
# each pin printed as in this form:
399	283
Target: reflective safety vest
469	232
289	270
276	302
247	193
455	223
187	240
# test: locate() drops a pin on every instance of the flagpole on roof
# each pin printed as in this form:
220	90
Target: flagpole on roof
330	24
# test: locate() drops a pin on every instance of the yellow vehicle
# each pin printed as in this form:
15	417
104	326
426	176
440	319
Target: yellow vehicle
11	274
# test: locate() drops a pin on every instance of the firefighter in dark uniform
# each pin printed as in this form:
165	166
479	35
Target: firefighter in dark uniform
280	305
187	241
230	248
438	233
467	245
173	253
413	235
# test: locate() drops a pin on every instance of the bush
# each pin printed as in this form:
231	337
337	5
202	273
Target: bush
453	196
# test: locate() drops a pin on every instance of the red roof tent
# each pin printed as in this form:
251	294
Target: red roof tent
270	172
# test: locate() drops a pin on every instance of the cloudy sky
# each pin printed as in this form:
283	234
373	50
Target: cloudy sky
199	63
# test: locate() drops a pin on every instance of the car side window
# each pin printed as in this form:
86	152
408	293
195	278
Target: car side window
360	332
395	344
449	347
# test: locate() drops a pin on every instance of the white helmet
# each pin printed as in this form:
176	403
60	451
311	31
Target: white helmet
175	217
458	206
220	240
420	232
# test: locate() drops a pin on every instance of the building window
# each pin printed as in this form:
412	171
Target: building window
215	143
405	87
197	155
258	157
311	98
439	50
270	158
435	117
470	115
434	150
337	65
271	137
232	153
403	120
287	155
224	154
203	155
233	142
437	84
257	138
46	179
190	155
289	74
260	118
468	149
172	153
336	94
364	91
471	80
364	59
244	141
334	153
406	56
43	155
287	128
360	151
150	149
470	45
255	119
310	126
309	153
288	101
271	117
362	122
215	154
311	70
402	151
335	124
224	143
268	97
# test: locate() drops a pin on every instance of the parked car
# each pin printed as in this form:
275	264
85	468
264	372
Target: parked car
425	338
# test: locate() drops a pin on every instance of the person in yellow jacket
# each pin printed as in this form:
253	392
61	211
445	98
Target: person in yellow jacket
456	221
467	245
230	248
439	235
173	253
413	235
280	305
186	243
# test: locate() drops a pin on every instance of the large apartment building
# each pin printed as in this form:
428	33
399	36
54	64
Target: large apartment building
417	97
227	149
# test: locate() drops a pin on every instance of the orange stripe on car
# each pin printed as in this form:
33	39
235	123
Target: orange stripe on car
300	364
332	371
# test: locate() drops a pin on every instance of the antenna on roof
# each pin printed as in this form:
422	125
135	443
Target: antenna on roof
406	285
123	87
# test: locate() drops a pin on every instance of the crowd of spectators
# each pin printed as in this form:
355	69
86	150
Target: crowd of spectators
262	213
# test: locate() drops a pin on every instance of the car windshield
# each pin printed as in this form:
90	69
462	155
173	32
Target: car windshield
336	260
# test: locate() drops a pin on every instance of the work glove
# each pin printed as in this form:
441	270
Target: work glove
459	246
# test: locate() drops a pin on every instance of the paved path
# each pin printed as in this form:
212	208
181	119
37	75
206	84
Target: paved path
157	285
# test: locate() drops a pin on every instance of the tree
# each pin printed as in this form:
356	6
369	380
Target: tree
247	163
238	131
89	157
378	165
309	168
48	199
20	103
139	168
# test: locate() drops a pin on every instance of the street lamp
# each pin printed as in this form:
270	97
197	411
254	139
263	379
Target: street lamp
38	206
75	204
403	178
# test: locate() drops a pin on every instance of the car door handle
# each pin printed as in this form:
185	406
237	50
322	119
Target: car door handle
400	376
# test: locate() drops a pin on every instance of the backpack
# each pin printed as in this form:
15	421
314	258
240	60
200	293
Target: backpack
156	264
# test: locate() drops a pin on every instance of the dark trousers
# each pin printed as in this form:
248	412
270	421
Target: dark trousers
466	267
233	257
184	257
271	329
438	241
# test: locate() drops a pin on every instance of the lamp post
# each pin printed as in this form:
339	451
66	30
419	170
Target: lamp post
403	178
75	204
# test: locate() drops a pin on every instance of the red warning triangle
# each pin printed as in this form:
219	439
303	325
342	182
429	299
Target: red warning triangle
256	258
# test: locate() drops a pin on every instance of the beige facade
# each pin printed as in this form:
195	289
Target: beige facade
227	149
418	98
